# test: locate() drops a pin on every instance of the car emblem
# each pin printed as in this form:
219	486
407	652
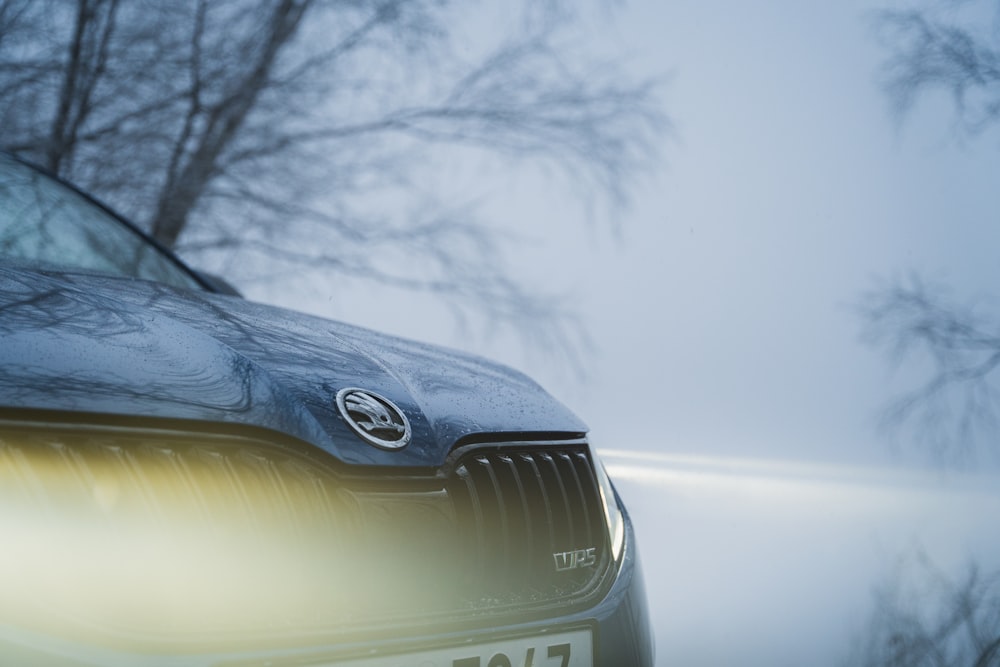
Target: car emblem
570	560
375	418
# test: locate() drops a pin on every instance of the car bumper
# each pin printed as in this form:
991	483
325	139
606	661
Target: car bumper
619	625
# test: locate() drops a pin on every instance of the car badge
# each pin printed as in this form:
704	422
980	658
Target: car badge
570	560
374	418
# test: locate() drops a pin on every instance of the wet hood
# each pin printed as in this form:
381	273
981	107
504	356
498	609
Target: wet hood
110	346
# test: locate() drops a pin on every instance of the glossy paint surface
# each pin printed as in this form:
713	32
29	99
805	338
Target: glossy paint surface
113	346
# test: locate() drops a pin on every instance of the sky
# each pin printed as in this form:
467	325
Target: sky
724	319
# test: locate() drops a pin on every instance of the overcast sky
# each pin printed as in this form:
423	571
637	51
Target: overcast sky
724	319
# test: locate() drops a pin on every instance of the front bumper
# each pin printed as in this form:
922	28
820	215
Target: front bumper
620	624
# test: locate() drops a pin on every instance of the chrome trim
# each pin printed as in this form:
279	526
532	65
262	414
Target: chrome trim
372	415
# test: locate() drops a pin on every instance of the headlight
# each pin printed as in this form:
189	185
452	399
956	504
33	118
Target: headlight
612	512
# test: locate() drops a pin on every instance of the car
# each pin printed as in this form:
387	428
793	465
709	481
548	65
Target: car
188	477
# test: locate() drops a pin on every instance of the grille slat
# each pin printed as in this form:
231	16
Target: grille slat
585	477
540	495
521	522
584	514
474	528
564	525
501	541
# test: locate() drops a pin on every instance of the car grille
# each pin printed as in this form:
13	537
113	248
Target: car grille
151	533
525	514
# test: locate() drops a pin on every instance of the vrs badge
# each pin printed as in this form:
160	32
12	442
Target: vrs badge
570	560
375	418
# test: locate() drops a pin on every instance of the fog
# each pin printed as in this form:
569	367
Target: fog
775	563
728	383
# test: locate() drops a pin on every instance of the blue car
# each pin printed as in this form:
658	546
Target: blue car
190	478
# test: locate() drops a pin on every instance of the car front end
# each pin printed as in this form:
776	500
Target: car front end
189	478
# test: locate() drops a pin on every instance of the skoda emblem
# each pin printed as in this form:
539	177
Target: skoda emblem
375	418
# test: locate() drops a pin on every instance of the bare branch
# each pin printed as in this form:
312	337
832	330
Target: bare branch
929	51
925	618
253	129
957	404
942	47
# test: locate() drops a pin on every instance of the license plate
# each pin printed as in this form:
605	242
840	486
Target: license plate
562	649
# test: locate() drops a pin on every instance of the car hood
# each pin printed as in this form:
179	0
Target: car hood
95	344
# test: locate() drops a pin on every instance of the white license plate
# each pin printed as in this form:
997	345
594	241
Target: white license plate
562	649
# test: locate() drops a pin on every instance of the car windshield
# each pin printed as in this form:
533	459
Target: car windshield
46	224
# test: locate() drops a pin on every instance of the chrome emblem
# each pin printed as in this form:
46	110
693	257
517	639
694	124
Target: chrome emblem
570	560
375	418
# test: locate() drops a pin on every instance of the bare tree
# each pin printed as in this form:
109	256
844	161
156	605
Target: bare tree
925	618
951	47
309	132
953	411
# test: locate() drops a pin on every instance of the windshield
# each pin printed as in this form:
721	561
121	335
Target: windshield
46	224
